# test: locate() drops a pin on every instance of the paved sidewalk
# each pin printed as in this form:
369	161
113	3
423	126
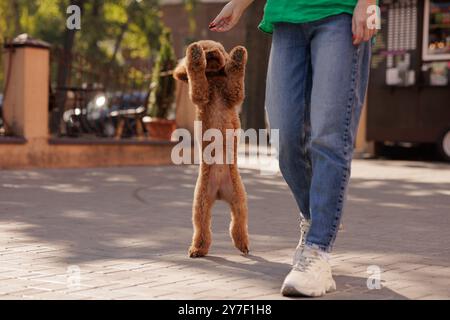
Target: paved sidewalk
123	233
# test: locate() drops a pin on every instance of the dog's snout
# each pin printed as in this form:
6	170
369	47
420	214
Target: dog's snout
210	54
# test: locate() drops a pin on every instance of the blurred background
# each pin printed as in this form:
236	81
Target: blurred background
102	95
109	83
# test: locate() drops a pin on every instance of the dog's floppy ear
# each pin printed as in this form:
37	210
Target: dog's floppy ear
180	72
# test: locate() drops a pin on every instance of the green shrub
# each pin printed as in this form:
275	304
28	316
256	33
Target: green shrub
162	93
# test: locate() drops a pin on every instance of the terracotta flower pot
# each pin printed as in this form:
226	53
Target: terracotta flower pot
160	128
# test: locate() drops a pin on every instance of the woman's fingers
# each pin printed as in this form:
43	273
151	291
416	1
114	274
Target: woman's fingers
229	16
358	34
361	32
225	20
360	27
222	25
372	30
225	13
353	26
367	34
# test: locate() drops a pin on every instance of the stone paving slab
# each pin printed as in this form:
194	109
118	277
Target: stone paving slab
123	233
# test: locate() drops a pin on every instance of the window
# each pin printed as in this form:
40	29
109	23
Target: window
436	30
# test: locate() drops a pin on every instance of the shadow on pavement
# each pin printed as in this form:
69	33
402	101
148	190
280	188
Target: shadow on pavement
145	213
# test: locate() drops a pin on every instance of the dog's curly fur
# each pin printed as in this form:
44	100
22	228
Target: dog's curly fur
216	87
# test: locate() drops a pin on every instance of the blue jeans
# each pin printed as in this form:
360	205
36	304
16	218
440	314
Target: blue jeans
316	85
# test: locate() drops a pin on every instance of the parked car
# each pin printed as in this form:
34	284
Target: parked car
101	113
87	113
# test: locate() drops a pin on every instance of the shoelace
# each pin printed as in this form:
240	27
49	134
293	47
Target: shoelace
304	226
304	262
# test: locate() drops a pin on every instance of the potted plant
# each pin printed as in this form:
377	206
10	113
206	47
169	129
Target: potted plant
162	91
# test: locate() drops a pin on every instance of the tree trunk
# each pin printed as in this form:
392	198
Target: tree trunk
119	39
96	8
258	47
16	16
64	69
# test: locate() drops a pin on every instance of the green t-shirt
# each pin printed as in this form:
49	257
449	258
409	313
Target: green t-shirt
300	11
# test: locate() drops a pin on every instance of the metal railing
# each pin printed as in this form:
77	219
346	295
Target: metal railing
90	98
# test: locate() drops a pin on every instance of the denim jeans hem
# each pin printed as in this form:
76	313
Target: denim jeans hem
320	247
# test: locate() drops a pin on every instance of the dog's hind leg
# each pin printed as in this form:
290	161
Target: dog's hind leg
201	219
239	216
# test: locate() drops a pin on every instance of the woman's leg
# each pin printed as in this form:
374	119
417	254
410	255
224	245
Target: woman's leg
287	103
340	76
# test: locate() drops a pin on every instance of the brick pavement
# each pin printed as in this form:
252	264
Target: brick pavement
123	233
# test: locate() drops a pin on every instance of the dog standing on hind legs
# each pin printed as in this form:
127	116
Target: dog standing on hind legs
216	87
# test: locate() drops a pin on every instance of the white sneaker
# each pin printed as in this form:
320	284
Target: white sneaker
304	228
310	276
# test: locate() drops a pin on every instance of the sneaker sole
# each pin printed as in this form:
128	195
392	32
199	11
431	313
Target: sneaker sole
291	291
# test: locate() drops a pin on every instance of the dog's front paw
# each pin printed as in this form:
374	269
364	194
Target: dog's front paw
195	57
238	59
239	55
195	252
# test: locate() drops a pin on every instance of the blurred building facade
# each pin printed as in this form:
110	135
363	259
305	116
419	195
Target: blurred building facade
408	95
409	91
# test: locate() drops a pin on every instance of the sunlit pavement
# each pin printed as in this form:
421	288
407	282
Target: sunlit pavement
123	233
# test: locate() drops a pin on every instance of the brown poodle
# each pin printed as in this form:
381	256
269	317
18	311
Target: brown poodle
216	87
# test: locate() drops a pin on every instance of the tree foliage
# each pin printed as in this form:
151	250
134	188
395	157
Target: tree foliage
163	84
112	31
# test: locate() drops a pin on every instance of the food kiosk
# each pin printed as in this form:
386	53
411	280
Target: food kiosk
409	91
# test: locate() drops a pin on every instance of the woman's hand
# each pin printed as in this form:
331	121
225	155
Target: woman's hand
360	28
230	15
